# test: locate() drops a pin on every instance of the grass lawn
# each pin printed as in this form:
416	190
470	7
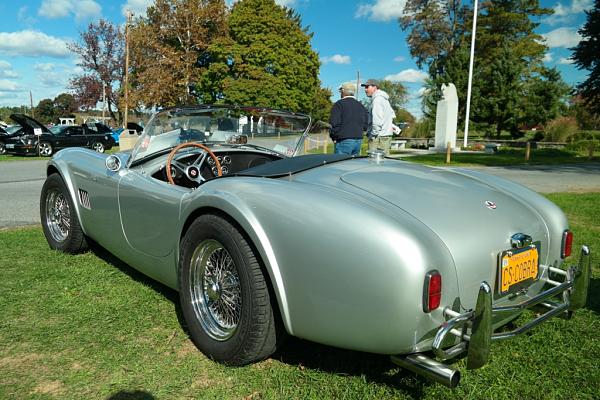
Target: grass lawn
504	157
87	326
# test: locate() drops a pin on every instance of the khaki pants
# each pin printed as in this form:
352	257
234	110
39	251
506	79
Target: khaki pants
381	143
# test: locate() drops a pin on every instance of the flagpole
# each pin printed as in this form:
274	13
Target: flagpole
470	73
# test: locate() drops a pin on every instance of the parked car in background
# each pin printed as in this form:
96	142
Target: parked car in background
365	253
95	136
131	126
7	133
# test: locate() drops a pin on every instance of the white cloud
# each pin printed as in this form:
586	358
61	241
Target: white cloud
562	37
52	79
422	91
32	44
81	9
381	10
44	67
6	70
24	16
336	59
55	8
564	14
85	9
8	86
576	7
137	7
564	60
285	3
399	59
408	75
547	58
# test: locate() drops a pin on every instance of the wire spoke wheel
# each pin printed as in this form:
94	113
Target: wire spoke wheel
58	215
215	290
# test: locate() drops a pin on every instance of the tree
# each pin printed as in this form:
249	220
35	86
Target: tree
321	105
436	29
587	56
267	61
65	105
44	111
101	53
508	76
169	50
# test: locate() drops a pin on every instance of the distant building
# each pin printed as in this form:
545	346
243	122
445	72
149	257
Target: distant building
67	121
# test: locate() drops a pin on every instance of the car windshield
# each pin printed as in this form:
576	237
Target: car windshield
57	129
12	129
272	130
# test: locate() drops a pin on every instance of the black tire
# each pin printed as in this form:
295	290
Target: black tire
2	148
98	146
59	219
45	149
230	318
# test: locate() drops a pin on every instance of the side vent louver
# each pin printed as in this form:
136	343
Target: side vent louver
84	199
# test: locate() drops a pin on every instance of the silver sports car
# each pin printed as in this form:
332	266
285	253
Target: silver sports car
366	253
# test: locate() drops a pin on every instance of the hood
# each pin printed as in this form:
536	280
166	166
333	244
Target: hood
475	220
381	93
29	124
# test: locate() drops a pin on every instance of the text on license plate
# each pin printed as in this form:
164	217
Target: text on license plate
10	146
517	266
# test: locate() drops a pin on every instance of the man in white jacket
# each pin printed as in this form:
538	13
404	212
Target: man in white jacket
381	116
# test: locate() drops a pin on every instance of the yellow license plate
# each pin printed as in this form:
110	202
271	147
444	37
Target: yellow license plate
518	266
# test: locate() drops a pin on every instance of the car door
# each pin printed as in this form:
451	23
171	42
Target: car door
149	212
77	137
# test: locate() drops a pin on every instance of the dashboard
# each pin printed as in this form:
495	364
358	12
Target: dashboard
191	168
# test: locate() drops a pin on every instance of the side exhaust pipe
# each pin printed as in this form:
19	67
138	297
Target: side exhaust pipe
429	368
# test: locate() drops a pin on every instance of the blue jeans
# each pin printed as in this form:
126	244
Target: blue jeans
348	146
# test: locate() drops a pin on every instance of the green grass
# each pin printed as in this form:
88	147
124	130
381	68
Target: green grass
87	326
505	157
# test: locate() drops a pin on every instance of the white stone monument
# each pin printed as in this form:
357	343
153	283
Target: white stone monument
446	119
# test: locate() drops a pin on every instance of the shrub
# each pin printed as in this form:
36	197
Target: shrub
560	129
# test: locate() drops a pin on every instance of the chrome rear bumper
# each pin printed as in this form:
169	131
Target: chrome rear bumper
474	328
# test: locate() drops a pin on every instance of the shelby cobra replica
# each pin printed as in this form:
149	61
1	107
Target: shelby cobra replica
365	253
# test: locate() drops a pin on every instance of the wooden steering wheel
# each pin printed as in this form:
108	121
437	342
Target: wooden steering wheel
190	144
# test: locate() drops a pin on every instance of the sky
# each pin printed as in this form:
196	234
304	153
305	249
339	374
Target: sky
351	37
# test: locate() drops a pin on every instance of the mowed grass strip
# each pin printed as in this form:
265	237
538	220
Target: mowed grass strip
87	326
505	156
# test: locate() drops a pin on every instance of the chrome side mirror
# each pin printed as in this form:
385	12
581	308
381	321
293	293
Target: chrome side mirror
113	163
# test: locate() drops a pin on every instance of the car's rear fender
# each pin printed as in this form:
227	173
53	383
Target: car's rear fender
350	273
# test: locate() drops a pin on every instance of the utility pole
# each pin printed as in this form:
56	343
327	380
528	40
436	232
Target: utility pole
103	101
357	84
470	82
126	69
31	102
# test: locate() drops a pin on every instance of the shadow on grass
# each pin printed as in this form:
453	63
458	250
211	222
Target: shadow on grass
131	395
593	300
375	368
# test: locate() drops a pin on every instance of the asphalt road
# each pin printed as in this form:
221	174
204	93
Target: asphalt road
20	186
21	183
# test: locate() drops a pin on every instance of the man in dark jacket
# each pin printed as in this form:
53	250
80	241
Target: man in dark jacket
349	118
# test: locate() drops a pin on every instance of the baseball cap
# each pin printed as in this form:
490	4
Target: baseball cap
371	82
348	88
